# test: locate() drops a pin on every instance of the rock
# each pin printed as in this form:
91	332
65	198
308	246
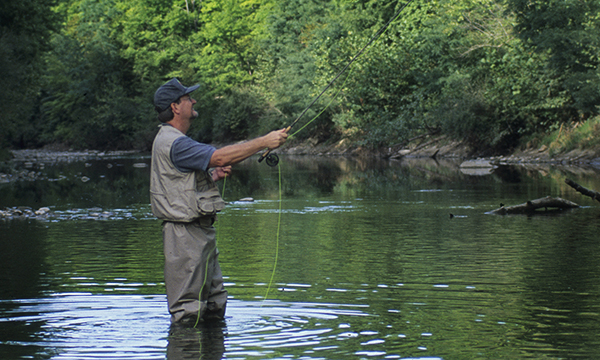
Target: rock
477	167
479	163
477	171
401	153
42	211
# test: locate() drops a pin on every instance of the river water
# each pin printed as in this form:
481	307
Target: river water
360	260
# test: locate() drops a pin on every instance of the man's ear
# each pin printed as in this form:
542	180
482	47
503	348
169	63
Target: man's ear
175	108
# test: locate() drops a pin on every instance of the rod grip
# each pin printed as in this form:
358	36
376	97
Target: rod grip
264	155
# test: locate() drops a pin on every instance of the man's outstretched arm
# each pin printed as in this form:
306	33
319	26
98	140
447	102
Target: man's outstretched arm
233	154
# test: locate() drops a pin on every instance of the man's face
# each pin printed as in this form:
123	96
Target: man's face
187	107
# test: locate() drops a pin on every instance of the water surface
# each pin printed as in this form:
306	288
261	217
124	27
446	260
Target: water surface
368	264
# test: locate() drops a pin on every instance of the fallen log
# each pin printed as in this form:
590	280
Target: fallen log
587	192
533	205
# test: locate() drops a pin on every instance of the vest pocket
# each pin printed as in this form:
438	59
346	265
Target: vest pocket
208	196
210	202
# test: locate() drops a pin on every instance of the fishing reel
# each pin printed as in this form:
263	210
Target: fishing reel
272	160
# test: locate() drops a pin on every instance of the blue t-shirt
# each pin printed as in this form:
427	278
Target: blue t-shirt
189	155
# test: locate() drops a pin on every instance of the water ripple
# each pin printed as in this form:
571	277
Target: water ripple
87	326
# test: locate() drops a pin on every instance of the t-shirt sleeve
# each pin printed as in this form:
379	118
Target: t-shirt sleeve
189	155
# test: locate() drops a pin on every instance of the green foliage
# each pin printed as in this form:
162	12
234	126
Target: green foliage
490	72
581	135
232	117
567	30
227	56
25	27
291	71
456	66
91	101
398	76
152	35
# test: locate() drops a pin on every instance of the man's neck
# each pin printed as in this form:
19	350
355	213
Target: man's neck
179	124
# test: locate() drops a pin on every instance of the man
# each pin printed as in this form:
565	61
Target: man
184	194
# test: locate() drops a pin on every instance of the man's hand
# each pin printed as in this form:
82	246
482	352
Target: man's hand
276	138
221	172
233	154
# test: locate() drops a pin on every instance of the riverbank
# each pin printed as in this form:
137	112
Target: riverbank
438	147
28	164
441	148
33	165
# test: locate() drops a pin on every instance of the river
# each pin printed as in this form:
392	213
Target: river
361	259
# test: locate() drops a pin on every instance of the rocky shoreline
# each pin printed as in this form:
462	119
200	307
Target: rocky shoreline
47	214
28	165
443	149
51	156
431	148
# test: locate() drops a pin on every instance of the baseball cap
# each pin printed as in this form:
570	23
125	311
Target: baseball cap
169	93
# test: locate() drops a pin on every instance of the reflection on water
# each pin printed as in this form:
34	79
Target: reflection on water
86	326
370	265
80	326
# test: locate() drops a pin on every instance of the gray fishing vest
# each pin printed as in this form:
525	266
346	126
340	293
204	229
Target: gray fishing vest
176	195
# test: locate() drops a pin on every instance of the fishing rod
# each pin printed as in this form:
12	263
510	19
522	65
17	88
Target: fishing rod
273	159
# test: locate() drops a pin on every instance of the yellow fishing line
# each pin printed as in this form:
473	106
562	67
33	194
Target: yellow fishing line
325	108
276	238
292	135
376	37
279	170
208	261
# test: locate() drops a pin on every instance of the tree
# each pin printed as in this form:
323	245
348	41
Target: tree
569	30
92	100
223	57
293	70
25	29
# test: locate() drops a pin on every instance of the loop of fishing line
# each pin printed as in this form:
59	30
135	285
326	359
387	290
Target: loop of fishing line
325	108
274	160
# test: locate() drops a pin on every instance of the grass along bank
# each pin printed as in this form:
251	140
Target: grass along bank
580	136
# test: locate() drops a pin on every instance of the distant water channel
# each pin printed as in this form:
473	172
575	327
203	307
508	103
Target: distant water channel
369	264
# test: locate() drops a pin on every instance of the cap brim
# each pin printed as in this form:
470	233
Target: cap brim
191	89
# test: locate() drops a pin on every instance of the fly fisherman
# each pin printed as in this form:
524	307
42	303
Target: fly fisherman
184	194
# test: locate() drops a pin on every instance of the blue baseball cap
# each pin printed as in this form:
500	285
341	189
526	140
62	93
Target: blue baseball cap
169	93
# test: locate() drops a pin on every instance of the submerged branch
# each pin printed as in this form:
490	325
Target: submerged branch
587	192
532	205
